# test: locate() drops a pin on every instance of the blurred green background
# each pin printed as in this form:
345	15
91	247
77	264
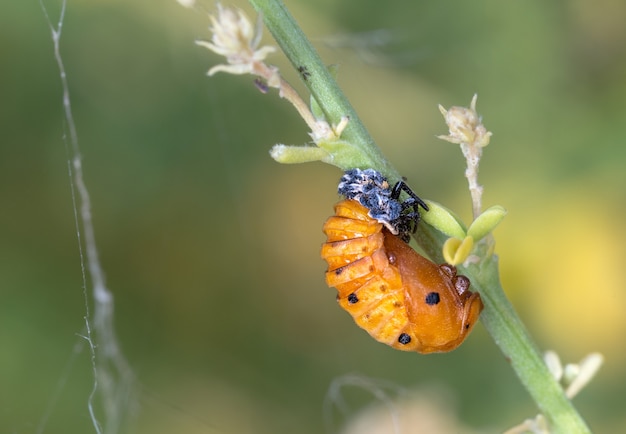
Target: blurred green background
212	249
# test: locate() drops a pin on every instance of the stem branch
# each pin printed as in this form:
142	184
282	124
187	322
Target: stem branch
321	84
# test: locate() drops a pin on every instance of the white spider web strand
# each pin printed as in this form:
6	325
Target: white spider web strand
376	388
67	371
113	376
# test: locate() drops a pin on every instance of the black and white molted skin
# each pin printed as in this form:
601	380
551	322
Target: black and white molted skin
372	190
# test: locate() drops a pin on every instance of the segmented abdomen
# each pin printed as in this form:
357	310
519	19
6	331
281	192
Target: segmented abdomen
369	287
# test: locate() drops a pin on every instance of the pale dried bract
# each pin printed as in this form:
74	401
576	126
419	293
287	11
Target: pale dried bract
235	38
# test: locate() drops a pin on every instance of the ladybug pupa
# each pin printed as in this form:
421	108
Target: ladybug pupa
398	296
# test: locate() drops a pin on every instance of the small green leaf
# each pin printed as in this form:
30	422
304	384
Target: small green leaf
444	220
344	154
486	222
297	154
456	251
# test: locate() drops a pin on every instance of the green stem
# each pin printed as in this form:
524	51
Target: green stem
509	333
321	84
499	316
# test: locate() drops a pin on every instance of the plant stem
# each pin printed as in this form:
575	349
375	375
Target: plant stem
499	316
513	339
320	83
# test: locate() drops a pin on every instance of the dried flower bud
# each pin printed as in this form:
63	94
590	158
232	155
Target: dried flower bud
235	38
465	126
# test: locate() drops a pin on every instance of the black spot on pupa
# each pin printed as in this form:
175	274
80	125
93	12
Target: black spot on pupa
352	298
404	338
432	298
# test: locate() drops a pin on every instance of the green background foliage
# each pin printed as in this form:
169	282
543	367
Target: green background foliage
212	249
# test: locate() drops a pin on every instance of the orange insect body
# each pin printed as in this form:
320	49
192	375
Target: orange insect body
399	297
